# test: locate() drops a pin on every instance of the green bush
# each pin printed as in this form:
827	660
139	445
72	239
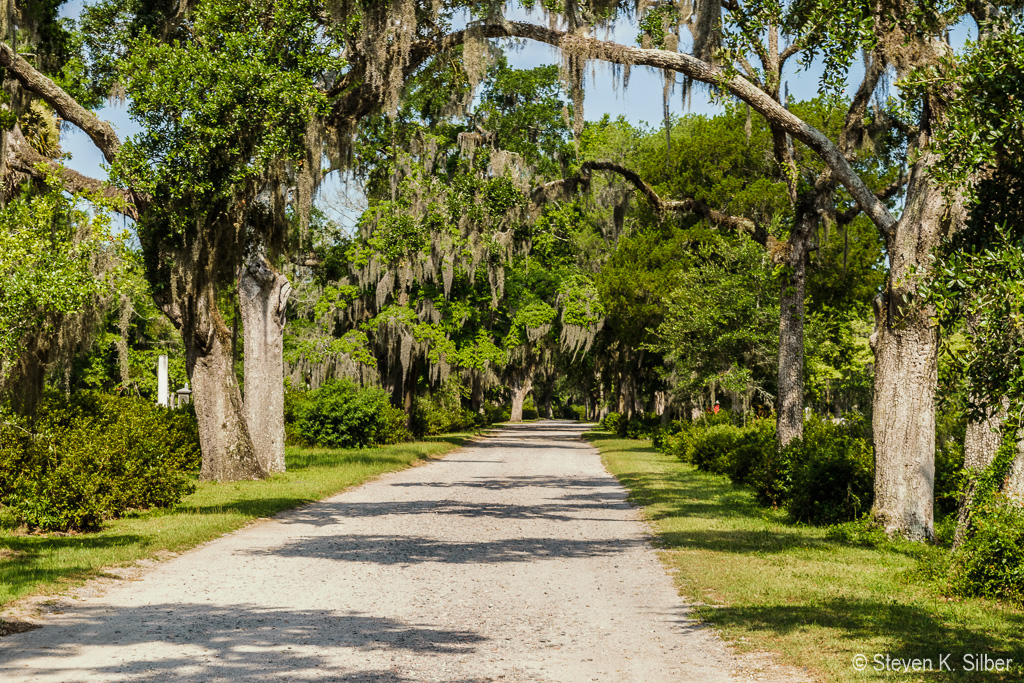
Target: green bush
572	412
611	422
341	414
94	457
990	562
496	413
713	447
530	411
833	473
751	451
442	412
772	478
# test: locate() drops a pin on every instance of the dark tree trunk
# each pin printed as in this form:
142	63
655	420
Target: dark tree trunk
519	391
409	397
906	367
228	452
263	295
476	397
790	415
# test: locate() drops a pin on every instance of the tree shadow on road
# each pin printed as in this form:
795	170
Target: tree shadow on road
210	643
394	549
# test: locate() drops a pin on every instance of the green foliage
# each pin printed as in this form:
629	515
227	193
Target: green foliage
712	450
232	97
55	262
341	414
722	320
824	478
94	457
990	562
441	412
611	422
833	473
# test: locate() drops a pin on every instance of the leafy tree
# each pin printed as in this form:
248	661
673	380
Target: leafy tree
60	270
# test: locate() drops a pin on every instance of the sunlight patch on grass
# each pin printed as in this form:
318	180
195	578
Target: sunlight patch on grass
768	584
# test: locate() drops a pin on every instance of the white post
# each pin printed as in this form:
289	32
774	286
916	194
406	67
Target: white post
161	382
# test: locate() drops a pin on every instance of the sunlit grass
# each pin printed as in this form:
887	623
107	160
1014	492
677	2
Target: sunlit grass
39	563
771	585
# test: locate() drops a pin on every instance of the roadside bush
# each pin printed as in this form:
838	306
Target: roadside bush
571	412
341	414
497	413
530	411
754	447
713	447
441	412
611	422
94	457
833	473
990	562
772	478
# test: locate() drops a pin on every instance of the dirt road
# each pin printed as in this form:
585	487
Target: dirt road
516	559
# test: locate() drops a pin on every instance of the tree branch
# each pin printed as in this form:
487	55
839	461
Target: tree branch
100	132
24	159
738	86
688	205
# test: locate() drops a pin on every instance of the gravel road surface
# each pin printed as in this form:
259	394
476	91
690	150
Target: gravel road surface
514	559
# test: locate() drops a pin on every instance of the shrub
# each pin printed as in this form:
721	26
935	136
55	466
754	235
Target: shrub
530	411
441	412
754	447
772	478
496	413
572	412
833	473
611	422
713	447
94	457
990	562
341	414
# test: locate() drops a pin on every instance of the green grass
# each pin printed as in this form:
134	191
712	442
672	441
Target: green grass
771	585
44	563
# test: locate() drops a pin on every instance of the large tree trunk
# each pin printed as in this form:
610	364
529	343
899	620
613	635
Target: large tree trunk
790	415
228	453
981	442
476	396
519	392
906	367
263	295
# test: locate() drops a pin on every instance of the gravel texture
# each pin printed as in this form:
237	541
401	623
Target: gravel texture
515	559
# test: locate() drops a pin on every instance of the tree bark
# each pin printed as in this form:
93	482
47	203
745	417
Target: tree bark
476	397
519	392
1014	486
790	414
228	452
263	295
906	366
981	442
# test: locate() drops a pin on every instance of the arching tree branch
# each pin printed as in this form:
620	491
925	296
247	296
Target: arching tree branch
99	131
699	70
24	159
688	205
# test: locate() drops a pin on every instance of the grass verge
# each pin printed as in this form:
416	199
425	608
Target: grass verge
816	599
43	563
